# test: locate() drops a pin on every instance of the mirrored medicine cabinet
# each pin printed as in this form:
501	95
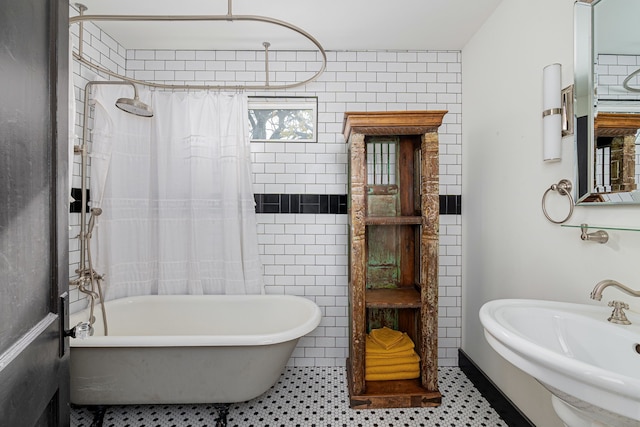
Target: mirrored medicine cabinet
607	101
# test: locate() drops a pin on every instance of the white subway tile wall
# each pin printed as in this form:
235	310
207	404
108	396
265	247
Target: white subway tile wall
306	254
611	71
102	49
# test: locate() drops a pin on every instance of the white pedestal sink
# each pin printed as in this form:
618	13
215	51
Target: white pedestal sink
591	366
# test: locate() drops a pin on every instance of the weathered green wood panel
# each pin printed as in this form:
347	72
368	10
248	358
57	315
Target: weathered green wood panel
383	260
382	200
379	317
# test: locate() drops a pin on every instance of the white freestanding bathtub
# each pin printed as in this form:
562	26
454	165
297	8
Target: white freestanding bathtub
187	349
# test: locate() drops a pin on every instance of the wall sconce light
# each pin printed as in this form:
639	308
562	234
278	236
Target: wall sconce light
557	113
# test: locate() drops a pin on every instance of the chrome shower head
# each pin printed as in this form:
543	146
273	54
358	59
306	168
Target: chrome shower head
134	106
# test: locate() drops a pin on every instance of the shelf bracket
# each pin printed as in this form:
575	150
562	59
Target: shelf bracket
599	236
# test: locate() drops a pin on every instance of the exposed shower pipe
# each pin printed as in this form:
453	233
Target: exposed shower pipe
266	62
86	273
81	149
229	16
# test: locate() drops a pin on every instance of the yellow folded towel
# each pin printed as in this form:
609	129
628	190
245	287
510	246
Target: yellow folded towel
387	361
390	355
372	347
387	356
393	376
386	337
407	367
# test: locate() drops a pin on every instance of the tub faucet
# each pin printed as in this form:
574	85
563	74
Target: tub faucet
596	293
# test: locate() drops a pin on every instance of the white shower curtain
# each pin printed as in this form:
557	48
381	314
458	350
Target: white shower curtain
178	213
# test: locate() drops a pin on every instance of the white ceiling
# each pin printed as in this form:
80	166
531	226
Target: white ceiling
336	24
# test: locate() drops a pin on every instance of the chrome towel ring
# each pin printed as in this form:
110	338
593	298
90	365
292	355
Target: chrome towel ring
563	187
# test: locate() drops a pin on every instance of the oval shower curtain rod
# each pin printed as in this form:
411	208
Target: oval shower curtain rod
168	18
626	85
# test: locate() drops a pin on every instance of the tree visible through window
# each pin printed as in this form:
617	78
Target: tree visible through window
283	119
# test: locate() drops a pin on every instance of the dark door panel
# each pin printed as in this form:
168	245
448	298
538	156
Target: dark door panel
33	219
31	379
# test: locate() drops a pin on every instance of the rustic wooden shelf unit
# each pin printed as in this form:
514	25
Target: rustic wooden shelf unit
393	241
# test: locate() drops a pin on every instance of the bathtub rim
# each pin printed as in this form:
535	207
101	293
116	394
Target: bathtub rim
310	324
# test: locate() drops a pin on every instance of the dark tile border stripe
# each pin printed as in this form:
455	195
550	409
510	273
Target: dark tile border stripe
329	204
301	203
450	205
498	401
76	195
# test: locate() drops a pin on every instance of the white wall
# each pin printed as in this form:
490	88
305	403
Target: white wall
509	249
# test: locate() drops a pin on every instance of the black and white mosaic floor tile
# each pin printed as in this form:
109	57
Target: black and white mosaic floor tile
307	397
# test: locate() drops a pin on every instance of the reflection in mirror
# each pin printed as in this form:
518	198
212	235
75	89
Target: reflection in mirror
615	153
607	101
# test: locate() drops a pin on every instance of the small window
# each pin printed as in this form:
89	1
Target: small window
281	119
381	161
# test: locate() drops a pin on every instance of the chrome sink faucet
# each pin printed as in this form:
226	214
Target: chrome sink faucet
618	315
596	293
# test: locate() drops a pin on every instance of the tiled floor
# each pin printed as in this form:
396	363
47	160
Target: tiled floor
309	397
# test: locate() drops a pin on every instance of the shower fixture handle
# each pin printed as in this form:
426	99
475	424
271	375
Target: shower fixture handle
599	236
618	315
